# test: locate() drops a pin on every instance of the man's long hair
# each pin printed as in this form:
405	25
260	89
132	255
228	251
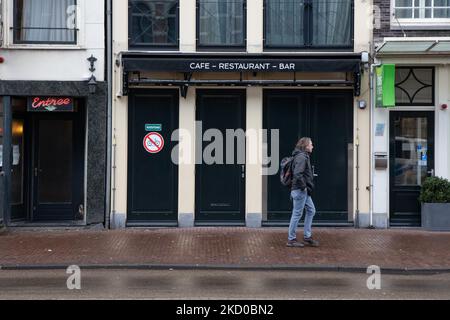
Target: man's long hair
303	143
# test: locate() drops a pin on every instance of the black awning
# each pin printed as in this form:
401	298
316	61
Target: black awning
188	63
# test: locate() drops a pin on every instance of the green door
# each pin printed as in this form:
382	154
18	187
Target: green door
220	186
152	175
326	117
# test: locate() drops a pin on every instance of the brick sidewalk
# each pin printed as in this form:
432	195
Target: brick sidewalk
226	247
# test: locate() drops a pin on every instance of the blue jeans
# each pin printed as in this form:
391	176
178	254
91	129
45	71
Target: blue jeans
301	201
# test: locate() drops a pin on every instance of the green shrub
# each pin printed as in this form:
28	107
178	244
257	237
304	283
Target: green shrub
435	190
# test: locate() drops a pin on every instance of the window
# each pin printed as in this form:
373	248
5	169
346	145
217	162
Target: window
45	21
414	86
422	9
221	23
308	24
153	23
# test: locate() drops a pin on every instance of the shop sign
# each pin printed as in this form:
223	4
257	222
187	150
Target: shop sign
50	104
385	86
153	127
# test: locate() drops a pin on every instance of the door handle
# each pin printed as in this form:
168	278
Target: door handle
243	171
37	171
431	172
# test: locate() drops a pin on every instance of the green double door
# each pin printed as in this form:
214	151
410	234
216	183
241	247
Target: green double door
327	117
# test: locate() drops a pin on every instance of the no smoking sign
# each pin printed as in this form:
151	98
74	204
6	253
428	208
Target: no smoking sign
153	142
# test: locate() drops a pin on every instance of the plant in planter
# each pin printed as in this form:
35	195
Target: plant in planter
435	198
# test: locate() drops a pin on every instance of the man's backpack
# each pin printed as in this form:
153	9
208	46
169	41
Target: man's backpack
286	171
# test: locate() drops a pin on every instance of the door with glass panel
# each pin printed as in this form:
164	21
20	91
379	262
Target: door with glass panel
57	167
411	162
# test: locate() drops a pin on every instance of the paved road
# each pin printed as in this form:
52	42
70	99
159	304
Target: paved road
218	284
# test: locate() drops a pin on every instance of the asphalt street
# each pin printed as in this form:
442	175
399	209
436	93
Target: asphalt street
217	285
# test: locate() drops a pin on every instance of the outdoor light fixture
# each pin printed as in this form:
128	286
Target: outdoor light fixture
92	84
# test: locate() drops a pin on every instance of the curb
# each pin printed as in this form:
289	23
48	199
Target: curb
401	271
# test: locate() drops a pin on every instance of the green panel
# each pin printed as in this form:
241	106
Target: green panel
385	90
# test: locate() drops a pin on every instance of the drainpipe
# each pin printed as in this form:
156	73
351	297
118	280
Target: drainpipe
7	159
372	137
109	60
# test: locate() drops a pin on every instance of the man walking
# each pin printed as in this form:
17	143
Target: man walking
302	187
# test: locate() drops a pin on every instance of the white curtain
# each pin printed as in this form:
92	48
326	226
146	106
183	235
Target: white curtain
221	22
47	14
284	25
332	22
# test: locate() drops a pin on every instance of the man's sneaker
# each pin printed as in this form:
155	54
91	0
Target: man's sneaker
311	242
294	243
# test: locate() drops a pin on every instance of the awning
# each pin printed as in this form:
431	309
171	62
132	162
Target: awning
405	46
189	64
186	63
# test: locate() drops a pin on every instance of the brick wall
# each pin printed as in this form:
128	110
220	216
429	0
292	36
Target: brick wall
385	31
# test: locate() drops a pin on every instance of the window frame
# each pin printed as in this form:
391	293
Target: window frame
417	23
433	87
150	46
14	28
236	47
308	31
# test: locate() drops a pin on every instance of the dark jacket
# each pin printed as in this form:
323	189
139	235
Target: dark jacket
302	171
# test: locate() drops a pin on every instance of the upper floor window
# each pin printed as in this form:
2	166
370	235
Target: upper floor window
308	24
422	9
45	21
153	23
221	23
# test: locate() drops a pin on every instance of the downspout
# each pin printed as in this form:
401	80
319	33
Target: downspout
372	137
7	159
109	59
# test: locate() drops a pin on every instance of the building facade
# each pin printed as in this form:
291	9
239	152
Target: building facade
192	77
414	133
53	112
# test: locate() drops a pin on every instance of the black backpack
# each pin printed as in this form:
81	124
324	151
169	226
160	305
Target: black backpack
286	171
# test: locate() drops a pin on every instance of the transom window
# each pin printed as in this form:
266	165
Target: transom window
153	23
308	24
221	23
45	21
414	86
422	9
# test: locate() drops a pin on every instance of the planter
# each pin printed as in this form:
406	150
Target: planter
436	216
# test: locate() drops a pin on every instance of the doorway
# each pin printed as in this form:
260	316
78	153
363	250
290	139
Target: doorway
220	187
326	116
47	175
152	175
411	162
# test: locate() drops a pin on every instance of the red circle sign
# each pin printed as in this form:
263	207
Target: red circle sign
153	142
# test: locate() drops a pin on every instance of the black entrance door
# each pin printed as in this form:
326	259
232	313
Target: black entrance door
57	166
411	161
326	117
220	184
152	175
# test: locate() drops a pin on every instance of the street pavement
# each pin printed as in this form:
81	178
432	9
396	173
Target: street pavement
393	250
218	285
